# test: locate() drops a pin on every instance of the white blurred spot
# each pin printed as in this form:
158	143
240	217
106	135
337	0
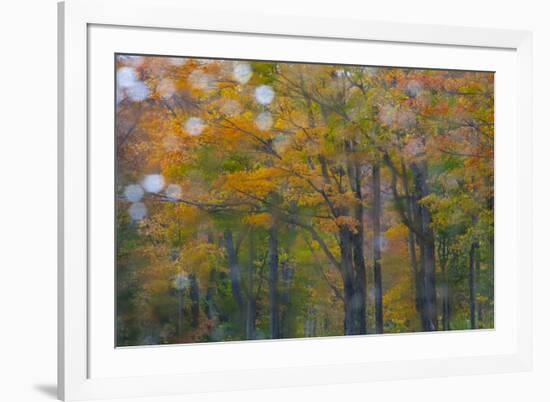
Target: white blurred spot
135	61
231	108
280	143
264	121
387	114
406	119
201	80
166	88
414	147
341	73
194	125
120	95
397	118
242	72
205	61
450	181
137	211
133	192
138	92
153	183
382	242
181	281
177	61
264	94
126	77
171	142
173	191
413	88
370	71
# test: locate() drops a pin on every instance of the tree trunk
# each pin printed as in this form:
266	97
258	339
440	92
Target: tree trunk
179	324
478	279
194	296
273	264
346	255
285	299
427	248
443	258
209	308
377	240
472	285
491	267
429	281
234	272
413	214
358	269
360	283
251	299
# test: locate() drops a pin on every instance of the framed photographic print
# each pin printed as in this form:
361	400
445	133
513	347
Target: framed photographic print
264	201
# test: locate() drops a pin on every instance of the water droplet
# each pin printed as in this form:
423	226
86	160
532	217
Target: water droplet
406	119
177	61
120	95
201	80
138	211
166	88
413	88
171	142
387	115
205	61
173	191
135	61
370	71
126	77
153	183
381	242
264	121
264	94
181	281
231	108
138	92
133	192
194	125
341	73
242	72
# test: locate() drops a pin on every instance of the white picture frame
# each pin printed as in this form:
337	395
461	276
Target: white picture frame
78	330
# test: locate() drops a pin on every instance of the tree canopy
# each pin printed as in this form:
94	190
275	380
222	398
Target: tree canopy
264	200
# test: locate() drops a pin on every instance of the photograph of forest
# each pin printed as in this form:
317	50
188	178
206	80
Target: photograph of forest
267	200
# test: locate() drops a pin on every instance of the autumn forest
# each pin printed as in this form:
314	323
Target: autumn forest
265	200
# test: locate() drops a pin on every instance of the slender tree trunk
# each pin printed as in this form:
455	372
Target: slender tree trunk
418	288
194	296
491	267
477	281
377	240
346	254
360	282
234	273
285	299
209	309
310	322
427	249
443	258
472	285
250	300
429	282
179	324
273	264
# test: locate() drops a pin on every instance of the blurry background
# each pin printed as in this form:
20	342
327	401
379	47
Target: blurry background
28	155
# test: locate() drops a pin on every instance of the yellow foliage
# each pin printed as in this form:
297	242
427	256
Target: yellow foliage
262	219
